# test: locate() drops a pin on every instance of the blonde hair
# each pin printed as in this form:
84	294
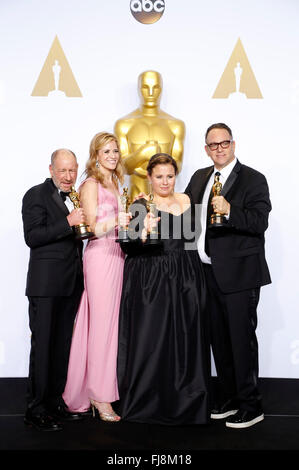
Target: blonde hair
91	170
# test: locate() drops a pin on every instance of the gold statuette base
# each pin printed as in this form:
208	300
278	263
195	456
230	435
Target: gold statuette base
153	238
123	236
217	220
83	232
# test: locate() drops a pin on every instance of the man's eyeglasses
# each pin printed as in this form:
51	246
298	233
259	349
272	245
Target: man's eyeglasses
224	144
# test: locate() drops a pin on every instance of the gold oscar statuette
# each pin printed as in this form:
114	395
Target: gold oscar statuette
124	203
153	236
216	220
148	130
82	231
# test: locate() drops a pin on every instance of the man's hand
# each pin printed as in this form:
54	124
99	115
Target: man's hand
76	217
220	205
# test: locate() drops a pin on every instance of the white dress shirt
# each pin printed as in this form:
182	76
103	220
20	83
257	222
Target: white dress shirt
224	174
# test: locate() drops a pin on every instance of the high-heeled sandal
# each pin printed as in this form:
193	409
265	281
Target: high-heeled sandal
104	416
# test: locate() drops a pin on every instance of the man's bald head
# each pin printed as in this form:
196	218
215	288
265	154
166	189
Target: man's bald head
63	169
61	151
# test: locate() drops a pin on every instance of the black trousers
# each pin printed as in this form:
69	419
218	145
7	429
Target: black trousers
51	321
233	322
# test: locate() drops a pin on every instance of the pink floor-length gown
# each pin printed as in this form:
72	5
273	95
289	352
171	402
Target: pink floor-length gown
93	355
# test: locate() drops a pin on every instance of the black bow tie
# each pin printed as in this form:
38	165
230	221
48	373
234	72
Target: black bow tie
63	195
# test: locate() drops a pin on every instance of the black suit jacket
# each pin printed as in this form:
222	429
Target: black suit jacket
55	255
238	250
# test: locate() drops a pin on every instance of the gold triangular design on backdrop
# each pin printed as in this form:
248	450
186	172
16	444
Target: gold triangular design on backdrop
46	83
248	83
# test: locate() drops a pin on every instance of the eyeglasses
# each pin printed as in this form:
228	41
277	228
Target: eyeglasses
224	144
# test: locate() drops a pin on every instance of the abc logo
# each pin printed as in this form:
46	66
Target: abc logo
147	11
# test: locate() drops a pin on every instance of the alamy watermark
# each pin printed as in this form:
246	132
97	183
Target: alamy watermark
173	224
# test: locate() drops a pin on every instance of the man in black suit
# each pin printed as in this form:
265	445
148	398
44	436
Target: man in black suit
54	288
234	262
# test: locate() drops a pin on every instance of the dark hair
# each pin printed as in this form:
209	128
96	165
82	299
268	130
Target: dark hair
219	125
161	159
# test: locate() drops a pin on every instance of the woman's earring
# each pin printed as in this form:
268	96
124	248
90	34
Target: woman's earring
97	164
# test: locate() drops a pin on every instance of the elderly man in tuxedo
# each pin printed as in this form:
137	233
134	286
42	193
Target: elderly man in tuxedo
235	267
54	287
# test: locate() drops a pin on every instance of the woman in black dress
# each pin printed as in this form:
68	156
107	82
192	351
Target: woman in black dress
164	354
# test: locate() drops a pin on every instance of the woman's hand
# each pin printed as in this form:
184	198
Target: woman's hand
124	219
140	196
150	222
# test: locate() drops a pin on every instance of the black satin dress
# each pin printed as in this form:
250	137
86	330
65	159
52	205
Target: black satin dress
164	354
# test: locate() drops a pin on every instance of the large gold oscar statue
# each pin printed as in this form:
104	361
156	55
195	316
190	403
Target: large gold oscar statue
146	131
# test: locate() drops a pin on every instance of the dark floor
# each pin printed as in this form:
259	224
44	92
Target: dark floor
119	440
277	435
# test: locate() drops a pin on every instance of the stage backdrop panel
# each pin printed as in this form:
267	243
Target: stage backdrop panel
232	61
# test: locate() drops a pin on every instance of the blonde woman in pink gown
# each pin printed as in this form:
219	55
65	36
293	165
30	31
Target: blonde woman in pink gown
91	379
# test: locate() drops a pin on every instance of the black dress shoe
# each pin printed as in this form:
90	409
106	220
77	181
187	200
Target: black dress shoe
62	413
42	422
230	407
244	419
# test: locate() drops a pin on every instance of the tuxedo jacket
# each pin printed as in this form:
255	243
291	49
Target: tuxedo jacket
237	250
55	255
